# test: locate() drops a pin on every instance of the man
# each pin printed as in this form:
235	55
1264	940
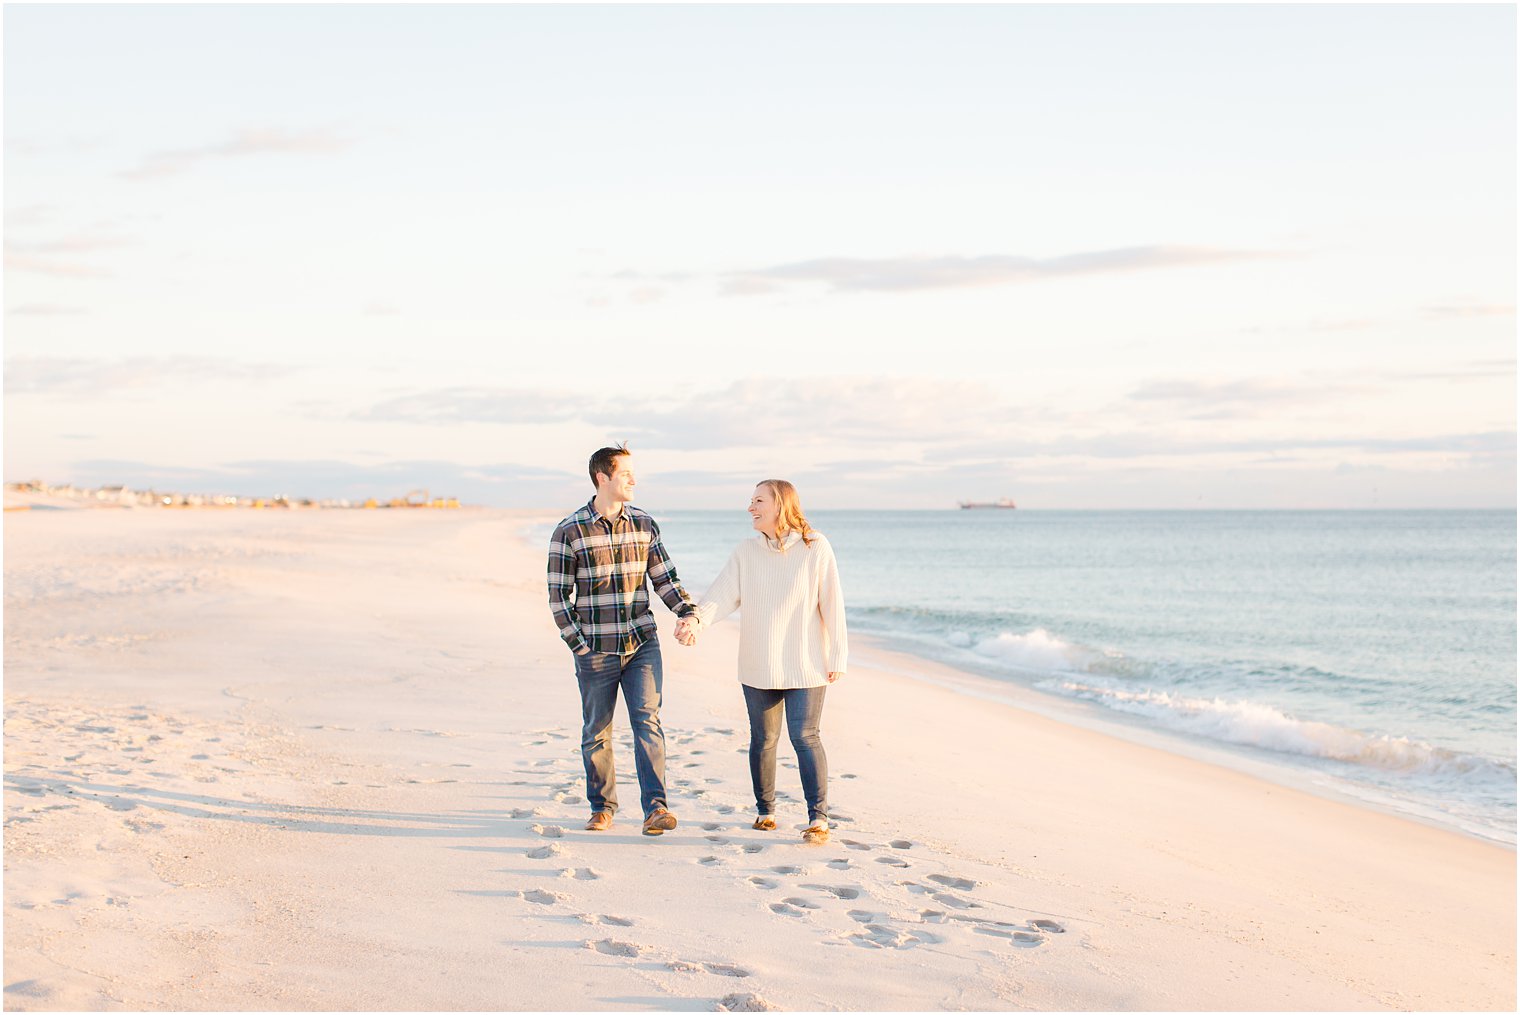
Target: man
599	559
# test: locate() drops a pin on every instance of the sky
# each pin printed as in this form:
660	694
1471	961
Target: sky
1083	257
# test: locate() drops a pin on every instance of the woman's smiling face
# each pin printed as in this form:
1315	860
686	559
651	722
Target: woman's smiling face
764	510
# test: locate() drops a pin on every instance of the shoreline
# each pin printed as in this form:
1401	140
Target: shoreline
315	761
988	686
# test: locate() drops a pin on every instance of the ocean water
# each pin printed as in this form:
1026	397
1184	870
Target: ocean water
1368	653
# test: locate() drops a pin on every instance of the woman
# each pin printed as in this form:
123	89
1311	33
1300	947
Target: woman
792	643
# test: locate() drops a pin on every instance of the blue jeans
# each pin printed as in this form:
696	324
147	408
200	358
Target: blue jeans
804	711
641	679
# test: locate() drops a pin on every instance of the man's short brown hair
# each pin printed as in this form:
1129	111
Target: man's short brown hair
604	461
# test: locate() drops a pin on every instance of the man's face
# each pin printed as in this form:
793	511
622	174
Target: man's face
619	486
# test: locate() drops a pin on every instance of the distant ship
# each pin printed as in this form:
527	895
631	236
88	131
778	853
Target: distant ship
1001	502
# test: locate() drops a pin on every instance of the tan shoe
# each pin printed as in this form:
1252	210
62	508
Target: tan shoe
600	821
659	822
818	832
765	823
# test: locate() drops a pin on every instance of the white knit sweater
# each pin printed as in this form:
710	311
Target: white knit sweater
792	631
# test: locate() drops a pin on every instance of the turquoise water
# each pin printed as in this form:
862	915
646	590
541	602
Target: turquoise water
1372	653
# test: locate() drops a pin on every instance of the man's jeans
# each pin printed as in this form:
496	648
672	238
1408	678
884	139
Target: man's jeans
804	711
641	678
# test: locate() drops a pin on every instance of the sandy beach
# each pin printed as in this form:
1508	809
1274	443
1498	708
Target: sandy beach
330	760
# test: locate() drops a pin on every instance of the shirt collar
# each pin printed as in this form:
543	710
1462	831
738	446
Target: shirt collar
596	515
786	542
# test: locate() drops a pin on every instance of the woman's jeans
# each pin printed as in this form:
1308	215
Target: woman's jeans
804	710
640	677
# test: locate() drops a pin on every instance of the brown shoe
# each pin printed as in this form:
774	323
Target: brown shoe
600	821
765	823
817	832
659	822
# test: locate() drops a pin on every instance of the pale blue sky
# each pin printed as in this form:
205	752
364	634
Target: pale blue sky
1081	256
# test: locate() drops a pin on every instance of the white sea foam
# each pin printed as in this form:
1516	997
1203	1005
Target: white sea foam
1037	650
1262	726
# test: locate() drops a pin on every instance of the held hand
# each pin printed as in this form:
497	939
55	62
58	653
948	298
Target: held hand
686	632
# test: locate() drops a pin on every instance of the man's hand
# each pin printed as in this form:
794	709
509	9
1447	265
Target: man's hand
686	630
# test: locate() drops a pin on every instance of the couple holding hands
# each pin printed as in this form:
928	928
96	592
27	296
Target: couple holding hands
792	641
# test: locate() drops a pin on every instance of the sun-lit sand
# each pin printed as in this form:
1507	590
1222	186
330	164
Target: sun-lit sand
329	760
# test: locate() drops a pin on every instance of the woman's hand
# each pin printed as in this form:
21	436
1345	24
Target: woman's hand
834	675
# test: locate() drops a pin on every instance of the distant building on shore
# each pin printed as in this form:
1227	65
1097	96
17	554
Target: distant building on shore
125	496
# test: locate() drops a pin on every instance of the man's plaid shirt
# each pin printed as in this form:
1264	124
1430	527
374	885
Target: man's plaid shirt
604	565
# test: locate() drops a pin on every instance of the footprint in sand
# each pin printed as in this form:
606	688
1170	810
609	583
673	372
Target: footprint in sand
754	847
712	861
866	916
724	969
1022	939
801	903
717	839
622	949
839	865
877	935
900	844
603	918
744	1002
765	883
545	852
526	812
892	861
852	844
954	901
548	831
1049	926
782	909
542	898
711	826
580	874
788	869
961	884
846	892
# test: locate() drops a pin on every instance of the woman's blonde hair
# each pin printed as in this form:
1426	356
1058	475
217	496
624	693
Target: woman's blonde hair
789	516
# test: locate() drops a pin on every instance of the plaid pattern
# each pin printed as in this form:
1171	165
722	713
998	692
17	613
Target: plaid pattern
604	565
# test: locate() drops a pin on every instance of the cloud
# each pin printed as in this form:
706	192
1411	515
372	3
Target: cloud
844	274
79	243
40	256
1463	371
80	377
751	412
259	141
49	266
476	405
783	411
1209	399
497	484
1472	310
45	310
1138	445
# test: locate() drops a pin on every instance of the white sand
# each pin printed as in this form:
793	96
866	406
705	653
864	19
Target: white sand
330	760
